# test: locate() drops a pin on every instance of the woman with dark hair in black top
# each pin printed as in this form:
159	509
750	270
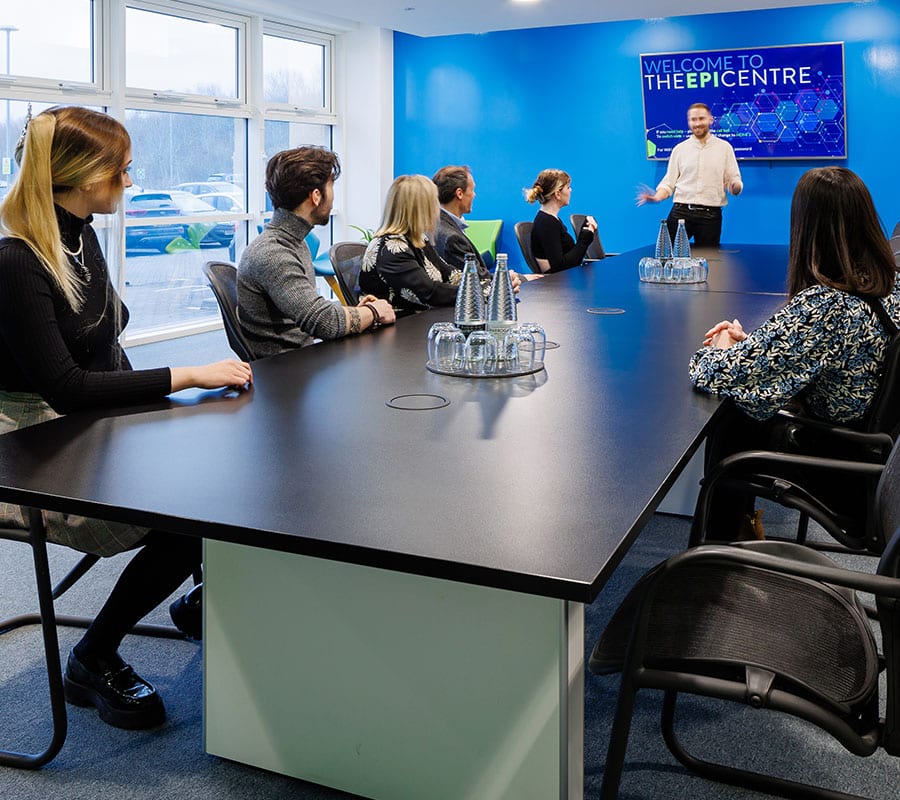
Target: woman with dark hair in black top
552	246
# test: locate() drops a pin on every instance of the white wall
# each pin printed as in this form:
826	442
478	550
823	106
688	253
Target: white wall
365	137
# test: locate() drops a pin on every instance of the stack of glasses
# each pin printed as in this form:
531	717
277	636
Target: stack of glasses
672	265
518	350
480	344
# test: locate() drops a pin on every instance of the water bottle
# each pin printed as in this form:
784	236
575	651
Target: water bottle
682	243
501	304
469	313
681	263
663	242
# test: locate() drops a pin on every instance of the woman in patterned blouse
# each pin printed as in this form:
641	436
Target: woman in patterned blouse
400	263
824	349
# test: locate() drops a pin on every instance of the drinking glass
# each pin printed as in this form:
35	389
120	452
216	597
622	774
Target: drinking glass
449	348
539	340
517	349
433	331
481	352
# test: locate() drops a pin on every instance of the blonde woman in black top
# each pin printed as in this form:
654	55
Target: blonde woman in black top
60	321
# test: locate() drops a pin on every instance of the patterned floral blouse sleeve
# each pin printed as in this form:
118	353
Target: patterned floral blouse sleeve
794	349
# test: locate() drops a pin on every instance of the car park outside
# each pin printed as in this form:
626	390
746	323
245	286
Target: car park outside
166	203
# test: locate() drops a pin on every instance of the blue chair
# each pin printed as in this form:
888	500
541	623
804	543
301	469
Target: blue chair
322	264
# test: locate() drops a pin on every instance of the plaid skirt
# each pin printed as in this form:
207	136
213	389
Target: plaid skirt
19	410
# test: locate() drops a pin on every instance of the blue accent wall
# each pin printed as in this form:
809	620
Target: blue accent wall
511	103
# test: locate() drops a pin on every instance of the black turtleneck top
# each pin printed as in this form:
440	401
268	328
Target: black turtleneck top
72	359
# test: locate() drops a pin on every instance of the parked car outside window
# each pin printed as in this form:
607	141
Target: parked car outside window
181	203
212	187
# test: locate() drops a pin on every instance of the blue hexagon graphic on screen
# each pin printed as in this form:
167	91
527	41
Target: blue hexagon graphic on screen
768	102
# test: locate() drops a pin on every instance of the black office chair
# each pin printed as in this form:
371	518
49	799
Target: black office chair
222	278
346	258
523	237
595	249
764	474
723	621
47	618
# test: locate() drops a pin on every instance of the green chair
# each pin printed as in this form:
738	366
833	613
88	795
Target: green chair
483	233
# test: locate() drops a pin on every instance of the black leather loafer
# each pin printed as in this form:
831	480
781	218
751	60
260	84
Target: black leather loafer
187	613
123	698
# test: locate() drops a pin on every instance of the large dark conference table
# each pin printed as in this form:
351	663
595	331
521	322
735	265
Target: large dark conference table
395	598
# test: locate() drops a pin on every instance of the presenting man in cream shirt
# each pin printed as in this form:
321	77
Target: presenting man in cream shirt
702	170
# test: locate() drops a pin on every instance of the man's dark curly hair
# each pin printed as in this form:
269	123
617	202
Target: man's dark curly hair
292	175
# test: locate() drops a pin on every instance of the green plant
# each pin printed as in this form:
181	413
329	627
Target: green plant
367	233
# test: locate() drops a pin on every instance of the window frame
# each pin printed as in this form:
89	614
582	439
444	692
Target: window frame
288	111
108	91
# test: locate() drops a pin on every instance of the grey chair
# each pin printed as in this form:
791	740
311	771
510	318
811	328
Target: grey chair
346	258
595	249
523	237
222	278
773	625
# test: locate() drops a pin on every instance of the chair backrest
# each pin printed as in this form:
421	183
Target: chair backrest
222	278
887	507
312	241
883	415
483	233
346	258
523	237
595	249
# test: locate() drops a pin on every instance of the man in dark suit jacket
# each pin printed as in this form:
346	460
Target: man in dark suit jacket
456	191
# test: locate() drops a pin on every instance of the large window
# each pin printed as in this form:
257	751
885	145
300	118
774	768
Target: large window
202	128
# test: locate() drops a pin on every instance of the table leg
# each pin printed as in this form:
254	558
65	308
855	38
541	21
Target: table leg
391	685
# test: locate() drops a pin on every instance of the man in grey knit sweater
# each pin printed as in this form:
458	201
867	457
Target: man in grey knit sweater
279	307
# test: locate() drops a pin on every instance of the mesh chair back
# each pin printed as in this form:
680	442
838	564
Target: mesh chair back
222	278
346	258
595	249
715	619
523	237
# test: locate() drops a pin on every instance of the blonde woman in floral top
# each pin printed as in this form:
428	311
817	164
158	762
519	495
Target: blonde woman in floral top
823	351
400	263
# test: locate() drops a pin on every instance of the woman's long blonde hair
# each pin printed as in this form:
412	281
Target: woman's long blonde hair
411	209
65	147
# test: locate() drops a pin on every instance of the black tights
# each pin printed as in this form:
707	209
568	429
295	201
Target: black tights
164	561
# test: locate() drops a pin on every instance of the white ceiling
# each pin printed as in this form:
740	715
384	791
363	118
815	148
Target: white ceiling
444	17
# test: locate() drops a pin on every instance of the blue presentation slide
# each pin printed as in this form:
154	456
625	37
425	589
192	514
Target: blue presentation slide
769	102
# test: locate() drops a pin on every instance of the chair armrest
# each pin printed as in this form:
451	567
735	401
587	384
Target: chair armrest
879	585
749	467
880	442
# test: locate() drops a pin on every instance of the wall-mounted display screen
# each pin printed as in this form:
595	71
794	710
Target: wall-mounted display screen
768	102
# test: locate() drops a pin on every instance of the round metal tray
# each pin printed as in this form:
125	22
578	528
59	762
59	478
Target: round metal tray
501	372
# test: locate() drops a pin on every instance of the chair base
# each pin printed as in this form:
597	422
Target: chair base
734	776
